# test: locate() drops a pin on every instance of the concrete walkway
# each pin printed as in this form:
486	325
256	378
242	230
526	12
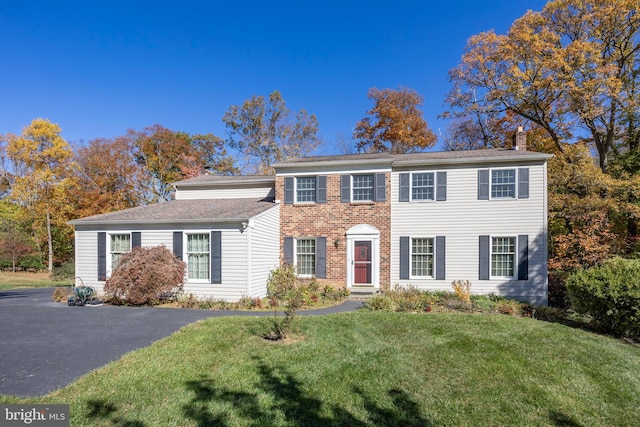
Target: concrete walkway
46	345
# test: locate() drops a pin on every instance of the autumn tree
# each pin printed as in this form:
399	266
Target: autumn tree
43	173
266	131
571	69
168	156
395	124
107	186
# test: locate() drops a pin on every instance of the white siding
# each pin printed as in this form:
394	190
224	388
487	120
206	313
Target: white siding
462	219
258	192
264	236
87	259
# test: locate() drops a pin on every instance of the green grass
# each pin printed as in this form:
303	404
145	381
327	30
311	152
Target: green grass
366	369
27	280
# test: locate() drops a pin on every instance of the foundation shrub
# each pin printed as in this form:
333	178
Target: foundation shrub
146	276
610	295
61	294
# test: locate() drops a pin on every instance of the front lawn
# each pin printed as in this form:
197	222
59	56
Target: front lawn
18	280
366	369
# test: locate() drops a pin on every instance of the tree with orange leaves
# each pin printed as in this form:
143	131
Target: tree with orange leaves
395	124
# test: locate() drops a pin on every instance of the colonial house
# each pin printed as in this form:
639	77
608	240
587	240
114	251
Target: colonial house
364	221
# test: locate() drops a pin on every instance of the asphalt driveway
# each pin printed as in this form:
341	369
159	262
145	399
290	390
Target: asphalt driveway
46	345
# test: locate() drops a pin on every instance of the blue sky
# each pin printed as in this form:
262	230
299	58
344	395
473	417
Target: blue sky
98	68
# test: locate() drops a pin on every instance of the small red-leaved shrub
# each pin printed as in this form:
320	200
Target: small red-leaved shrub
146	276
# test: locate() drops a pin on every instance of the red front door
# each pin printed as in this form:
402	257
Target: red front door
362	262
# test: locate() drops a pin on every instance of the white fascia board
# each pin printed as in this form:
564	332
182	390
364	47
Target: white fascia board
538	157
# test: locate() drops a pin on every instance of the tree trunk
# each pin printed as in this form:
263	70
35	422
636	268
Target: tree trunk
50	266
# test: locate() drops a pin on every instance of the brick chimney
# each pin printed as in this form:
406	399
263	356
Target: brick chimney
520	139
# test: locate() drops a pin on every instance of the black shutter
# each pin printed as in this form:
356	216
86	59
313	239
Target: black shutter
483	184
136	239
102	256
321	257
523	257
216	257
441	189
177	244
381	187
345	188
523	183
321	189
404	187
440	257
288	250
404	258
288	190
485	249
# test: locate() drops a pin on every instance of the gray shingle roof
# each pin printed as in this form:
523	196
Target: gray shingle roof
426	157
226	179
208	210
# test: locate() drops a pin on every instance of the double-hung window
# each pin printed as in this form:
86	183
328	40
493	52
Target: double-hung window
198	256
120	244
503	256
306	189
422	252
306	257
422	186
363	188
503	184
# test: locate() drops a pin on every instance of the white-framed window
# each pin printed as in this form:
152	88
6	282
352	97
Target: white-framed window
363	188
503	183
305	189
423	186
119	244
306	254
198	256
503	256
422	256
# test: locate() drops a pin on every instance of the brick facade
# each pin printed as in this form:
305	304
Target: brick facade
332	220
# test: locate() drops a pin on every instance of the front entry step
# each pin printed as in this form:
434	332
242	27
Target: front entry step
363	292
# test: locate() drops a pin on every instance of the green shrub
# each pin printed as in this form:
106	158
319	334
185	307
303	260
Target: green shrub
65	271
284	288
610	295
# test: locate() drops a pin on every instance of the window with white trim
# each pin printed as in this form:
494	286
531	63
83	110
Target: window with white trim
198	256
305	189
503	183
503	256
422	257
422	186
119	244
362	188
305	257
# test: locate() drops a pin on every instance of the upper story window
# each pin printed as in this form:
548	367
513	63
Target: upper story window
422	186
120	244
363	188
503	184
306	189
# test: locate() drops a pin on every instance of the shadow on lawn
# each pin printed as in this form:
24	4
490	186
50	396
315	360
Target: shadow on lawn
100	410
279	398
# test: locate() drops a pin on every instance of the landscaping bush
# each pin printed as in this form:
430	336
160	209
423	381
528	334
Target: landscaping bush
284	288
610	295
65	271
146	276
